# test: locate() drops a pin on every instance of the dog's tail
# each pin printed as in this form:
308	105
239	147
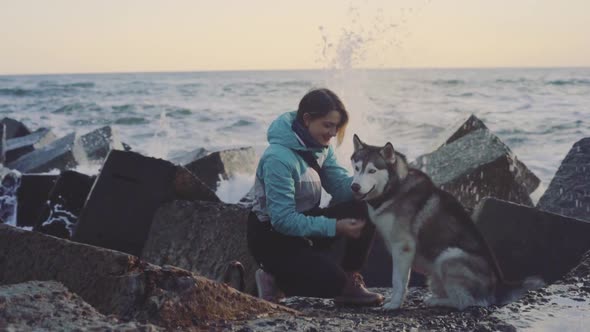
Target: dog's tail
508	291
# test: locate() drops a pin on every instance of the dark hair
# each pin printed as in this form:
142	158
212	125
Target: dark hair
318	103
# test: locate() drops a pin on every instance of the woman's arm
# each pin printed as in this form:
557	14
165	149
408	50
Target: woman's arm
335	179
279	186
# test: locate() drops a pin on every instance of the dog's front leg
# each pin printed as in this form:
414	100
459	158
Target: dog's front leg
402	253
402	256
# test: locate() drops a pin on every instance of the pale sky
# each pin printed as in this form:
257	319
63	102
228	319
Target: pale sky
73	36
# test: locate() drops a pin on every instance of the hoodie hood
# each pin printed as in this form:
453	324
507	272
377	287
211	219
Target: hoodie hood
281	133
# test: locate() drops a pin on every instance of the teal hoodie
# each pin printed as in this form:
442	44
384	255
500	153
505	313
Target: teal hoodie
286	186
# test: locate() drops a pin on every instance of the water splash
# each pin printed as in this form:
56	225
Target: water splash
343	56
159	146
234	188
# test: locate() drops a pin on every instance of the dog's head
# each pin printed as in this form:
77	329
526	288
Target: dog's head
376	169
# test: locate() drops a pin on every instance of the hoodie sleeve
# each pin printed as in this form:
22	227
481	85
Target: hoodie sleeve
279	185
335	179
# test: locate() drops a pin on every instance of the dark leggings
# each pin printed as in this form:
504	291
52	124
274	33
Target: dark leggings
309	267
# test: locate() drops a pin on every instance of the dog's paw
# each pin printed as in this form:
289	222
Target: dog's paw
435	301
392	305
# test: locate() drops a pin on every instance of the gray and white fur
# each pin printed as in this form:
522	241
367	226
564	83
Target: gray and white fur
426	229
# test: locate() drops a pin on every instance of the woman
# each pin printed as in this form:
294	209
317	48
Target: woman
288	234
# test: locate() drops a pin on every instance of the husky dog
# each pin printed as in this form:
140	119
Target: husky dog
428	230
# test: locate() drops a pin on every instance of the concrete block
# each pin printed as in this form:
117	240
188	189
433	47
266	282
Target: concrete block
568	193
14	128
479	165
60	154
33	194
99	142
121	205
203	237
528	242
66	199
19	146
223	165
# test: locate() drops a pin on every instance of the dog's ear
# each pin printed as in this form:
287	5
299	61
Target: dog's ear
358	144
388	153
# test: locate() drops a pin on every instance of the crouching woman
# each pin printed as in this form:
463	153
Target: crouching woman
289	235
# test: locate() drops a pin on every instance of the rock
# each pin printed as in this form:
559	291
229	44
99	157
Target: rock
189	188
464	127
8	199
60	154
126	147
186	158
568	193
479	165
223	165
562	306
203	237
2	143
49	306
14	128
99	142
66	200
122	285
32	195
123	200
19	146
128	191
248	200
530	242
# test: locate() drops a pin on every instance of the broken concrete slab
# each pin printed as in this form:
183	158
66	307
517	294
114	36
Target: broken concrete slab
568	193
187	158
462	128
14	128
203	237
2	143
32	195
530	242
128	191
479	165
60	214
120	207
50	306
60	154
189	188
223	165
8	200
121	284
99	142
19	146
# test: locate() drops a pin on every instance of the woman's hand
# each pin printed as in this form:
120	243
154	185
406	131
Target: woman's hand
350	227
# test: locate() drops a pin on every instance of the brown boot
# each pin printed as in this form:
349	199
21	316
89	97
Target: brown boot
355	293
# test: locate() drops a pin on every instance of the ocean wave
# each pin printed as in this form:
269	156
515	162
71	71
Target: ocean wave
18	92
70	109
178	113
123	108
448	82
53	84
573	81
511	81
132	120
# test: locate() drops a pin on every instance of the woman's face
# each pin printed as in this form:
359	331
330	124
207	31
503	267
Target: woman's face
324	128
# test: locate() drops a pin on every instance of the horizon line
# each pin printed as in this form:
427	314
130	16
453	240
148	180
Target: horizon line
289	69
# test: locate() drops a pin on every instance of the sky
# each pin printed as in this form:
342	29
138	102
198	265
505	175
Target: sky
73	36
